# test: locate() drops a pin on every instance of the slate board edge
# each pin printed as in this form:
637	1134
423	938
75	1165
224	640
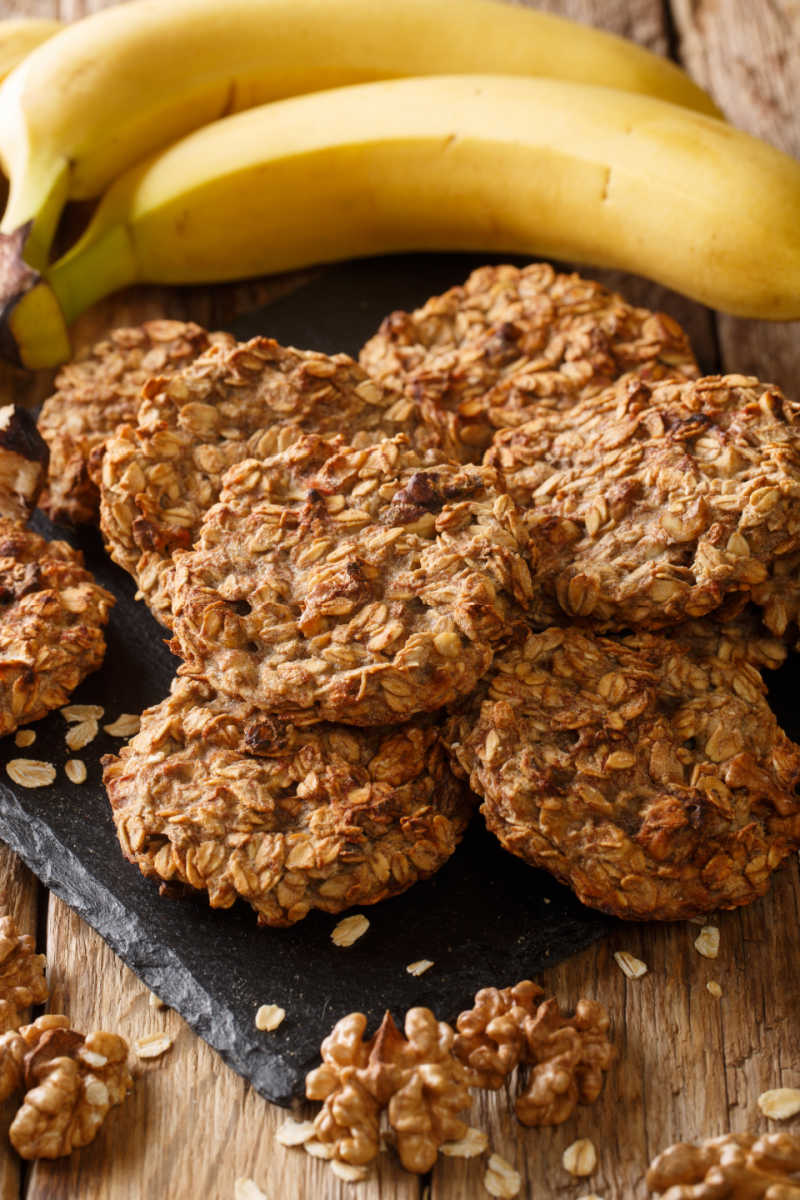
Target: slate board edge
100	909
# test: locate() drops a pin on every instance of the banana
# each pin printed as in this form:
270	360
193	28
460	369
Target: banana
20	35
125	81
496	163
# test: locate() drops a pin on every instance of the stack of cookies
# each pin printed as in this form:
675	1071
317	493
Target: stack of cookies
523	547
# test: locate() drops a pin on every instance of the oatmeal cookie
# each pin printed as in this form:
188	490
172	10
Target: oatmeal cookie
492	352
654	503
23	463
95	394
52	615
655	783
215	795
352	583
230	404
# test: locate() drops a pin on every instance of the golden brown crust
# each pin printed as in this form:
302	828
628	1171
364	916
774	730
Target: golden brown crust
490	353
52	615
736	1165
651	504
225	799
230	404
95	394
656	784
23	462
355	584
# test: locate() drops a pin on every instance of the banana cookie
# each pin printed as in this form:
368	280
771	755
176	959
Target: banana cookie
231	403
491	353
357	584
95	394
654	503
227	800
652	780
52	615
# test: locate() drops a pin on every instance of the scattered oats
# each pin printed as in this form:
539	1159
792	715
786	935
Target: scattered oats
713	987
81	734
780	1103
126	725
473	1142
82	712
30	772
24	737
246	1189
634	968
319	1149
155	1001
580	1158
295	1133
269	1017
349	1172
501	1179
707	941
350	930
420	967
75	770
152	1045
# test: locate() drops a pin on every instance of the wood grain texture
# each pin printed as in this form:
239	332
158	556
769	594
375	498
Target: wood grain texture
689	1065
747	54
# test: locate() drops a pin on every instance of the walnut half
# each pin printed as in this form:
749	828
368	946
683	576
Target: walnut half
70	1082
737	1166
22	981
512	1026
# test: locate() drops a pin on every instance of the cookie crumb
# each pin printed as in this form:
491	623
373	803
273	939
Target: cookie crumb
707	941
580	1158
472	1143
780	1103
152	1045
25	738
75	770
501	1179
269	1017
80	734
295	1133
126	725
713	987
349	930
349	1171
31	772
630	966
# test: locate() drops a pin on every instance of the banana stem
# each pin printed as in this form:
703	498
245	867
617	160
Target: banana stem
25	205
93	268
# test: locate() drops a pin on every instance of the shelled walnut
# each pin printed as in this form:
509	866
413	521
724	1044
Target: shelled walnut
415	1075
70	1082
22	981
736	1166
512	1026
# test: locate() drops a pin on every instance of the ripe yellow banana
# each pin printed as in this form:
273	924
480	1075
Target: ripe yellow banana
19	36
495	163
123	82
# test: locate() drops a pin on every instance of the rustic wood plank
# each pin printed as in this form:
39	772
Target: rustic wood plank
748	56
19	892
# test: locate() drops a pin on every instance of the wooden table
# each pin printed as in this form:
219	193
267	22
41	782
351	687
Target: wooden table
689	1064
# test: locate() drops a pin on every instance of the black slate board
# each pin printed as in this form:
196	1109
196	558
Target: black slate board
485	918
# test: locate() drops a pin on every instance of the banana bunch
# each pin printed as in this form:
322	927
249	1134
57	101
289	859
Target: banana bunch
649	183
128	80
20	35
